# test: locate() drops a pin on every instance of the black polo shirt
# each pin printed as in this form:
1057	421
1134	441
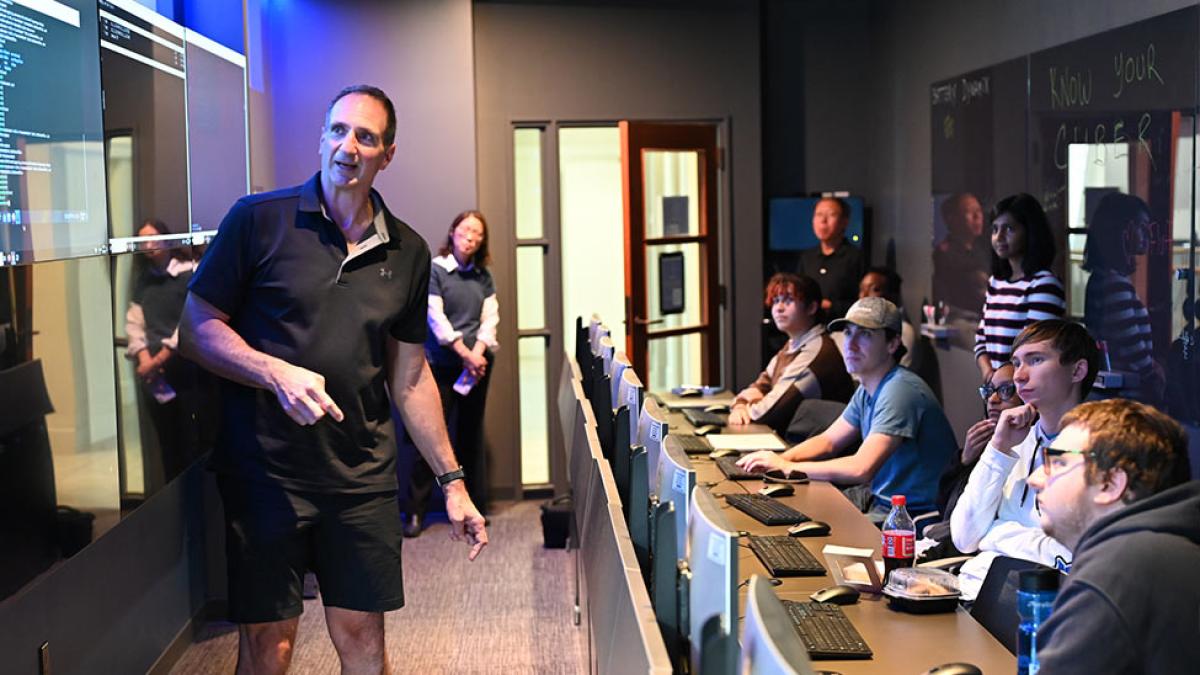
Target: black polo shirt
279	268
838	274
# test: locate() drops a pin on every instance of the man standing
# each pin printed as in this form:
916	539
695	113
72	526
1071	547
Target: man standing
1055	363
1114	490
311	304
835	264
906	438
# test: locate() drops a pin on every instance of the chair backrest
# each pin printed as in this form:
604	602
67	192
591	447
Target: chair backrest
995	607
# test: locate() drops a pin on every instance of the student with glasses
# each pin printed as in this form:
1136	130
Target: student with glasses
1054	363
1113	489
999	393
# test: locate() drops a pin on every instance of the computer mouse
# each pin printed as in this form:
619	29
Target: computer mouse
723	452
716	408
838	595
813	528
954	669
689	392
777	490
705	430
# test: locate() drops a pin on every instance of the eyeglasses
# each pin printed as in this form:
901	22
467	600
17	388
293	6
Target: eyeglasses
1052	459
1004	391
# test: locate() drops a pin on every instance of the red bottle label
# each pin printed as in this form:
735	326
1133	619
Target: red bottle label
898	544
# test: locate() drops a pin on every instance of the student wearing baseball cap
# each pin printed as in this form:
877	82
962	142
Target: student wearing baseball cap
905	437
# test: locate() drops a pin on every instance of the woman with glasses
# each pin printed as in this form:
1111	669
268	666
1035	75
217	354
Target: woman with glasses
999	393
1022	289
463	317
1113	313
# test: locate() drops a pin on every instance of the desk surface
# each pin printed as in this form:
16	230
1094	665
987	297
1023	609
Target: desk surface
903	643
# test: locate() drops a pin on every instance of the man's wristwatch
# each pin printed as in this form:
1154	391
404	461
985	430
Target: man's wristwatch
454	475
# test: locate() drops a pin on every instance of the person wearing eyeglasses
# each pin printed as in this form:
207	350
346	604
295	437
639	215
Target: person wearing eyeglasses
999	393
1054	364
1114	489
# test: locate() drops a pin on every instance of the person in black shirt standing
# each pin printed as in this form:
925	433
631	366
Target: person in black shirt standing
835	264
311	303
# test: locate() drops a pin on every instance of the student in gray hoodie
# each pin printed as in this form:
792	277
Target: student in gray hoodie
1115	491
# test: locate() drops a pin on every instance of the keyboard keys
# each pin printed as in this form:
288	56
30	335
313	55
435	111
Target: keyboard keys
729	467
826	632
785	556
766	510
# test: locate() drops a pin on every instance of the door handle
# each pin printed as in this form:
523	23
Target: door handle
647	322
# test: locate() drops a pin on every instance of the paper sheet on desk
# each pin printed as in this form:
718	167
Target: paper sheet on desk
745	442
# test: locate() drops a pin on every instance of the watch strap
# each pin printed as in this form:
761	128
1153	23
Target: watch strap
450	476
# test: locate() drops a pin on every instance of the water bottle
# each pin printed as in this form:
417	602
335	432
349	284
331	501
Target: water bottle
1035	596
899	537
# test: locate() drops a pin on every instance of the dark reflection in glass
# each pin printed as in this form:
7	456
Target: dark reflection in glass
166	402
1119	235
58	432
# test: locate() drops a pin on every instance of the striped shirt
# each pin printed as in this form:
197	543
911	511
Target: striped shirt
1115	315
808	367
1012	305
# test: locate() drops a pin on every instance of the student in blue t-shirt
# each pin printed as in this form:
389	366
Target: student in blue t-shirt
906	439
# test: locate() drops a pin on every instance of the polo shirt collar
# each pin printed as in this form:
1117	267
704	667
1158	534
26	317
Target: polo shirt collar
449	263
312	202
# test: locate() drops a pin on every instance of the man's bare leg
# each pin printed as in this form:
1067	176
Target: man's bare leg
266	648
358	638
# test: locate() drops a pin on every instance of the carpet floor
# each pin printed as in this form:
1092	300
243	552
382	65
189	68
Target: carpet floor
508	612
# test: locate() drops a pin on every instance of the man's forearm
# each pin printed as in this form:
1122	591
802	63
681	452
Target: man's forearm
814	448
218	348
848	469
420	407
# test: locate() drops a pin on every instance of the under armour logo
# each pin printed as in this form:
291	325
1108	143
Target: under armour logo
385	272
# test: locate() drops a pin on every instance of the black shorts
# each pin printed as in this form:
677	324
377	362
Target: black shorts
273	535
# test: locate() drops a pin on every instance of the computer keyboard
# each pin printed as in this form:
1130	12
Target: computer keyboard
766	510
699	418
729	467
785	556
826	632
693	445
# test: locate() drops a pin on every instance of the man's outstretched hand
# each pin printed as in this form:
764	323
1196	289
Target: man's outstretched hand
466	522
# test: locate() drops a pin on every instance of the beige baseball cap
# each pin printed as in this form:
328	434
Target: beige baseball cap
870	313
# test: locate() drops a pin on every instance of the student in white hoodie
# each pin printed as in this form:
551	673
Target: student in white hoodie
1056	363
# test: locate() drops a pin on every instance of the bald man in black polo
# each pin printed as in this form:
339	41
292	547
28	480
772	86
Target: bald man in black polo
311	303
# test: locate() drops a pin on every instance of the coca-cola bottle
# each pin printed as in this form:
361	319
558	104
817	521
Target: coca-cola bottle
899	537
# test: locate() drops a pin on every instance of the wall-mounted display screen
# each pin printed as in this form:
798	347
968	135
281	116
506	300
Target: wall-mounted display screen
51	136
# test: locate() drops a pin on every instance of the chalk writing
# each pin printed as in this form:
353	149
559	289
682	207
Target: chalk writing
1069	133
948	127
975	89
1070	89
1131	68
943	93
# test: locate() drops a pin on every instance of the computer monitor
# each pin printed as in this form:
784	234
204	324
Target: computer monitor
651	430
216	129
603	412
770	645
790	222
142	72
629	395
713	586
676	479
52	189
620	454
600	331
607	351
620	362
638	507
567	392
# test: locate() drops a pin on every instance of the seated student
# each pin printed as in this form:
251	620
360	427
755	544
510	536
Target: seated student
919	356
906	439
1055	364
808	367
1115	491
999	393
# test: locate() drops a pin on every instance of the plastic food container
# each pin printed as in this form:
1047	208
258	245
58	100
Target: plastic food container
921	590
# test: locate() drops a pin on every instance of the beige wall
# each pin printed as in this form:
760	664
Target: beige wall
594	61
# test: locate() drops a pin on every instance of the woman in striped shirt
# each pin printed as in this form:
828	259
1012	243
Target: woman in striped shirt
1113	312
1022	289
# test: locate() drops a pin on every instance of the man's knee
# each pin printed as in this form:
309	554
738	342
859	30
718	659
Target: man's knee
267	646
358	635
